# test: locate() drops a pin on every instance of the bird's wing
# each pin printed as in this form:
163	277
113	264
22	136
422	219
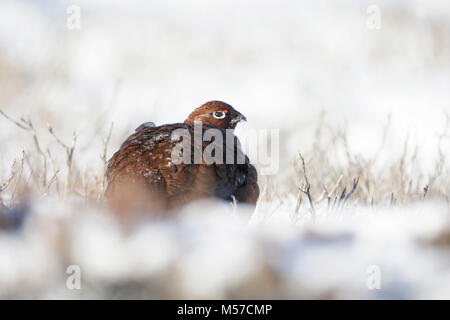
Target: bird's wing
237	178
146	159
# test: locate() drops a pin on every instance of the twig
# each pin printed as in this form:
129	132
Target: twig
27	125
328	194
355	185
104	158
5	184
106	144
425	192
299	201
34	176
50	183
52	165
69	153
69	149
16	182
307	189
342	196
393	200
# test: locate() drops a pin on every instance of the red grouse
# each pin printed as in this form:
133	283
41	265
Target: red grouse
155	170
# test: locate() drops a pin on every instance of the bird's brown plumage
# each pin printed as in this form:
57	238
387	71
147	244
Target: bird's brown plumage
143	176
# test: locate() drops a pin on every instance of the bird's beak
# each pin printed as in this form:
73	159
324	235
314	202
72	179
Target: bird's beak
238	118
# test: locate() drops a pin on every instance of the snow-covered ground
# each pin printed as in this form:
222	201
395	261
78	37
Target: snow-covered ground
281	63
209	253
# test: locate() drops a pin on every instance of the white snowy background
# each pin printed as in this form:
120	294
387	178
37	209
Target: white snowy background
281	63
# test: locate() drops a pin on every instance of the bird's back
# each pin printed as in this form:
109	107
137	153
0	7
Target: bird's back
143	174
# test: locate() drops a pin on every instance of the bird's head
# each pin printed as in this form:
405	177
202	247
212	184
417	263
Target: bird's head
218	113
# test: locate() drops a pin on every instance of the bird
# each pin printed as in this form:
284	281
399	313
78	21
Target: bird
143	175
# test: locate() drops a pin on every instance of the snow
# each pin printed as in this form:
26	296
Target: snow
210	253
280	64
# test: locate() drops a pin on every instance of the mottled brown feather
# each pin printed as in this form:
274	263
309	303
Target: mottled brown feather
142	175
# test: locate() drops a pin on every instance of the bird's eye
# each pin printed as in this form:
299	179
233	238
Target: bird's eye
219	114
